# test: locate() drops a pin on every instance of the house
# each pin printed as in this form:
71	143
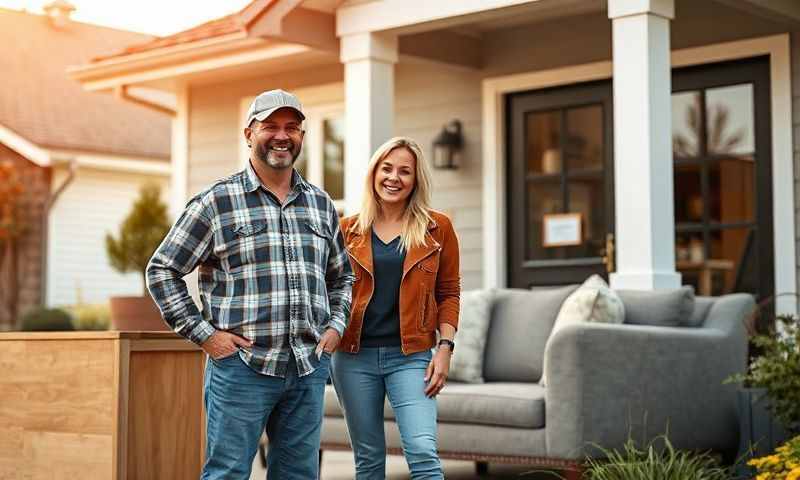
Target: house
83	156
651	141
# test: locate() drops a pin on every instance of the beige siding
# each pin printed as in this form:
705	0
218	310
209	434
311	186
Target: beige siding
795	54
94	204
428	96
214	120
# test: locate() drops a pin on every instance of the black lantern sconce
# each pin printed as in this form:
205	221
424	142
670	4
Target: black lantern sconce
447	147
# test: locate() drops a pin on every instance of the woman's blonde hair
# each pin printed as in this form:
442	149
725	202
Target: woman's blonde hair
416	217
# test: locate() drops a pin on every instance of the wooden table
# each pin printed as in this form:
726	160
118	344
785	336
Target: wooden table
705	269
100	405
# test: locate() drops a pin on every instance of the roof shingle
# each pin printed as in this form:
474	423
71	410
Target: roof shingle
40	103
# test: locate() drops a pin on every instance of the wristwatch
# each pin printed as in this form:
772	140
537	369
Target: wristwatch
449	343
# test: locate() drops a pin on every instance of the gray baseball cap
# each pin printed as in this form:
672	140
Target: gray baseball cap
267	102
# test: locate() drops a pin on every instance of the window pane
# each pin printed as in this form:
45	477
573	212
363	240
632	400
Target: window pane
729	120
543	198
688	194
543	142
301	164
733	263
587	198
732	190
333	156
686	124
584	146
690	256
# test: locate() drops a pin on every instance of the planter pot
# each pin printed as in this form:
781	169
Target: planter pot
759	432
136	314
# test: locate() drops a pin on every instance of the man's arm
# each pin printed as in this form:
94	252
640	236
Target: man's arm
338	277
187	244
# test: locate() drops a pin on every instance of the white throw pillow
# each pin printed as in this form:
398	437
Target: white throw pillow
593	301
473	328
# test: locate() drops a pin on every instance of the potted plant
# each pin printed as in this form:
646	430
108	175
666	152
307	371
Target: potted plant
139	235
769	400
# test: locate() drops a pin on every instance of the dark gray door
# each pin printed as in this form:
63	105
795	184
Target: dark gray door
560	174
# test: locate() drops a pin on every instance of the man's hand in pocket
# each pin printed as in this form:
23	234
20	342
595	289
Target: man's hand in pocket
223	344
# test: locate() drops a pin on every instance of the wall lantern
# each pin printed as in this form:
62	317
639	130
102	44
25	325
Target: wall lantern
447	147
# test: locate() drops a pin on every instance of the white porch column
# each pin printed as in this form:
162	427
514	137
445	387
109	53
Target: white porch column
643	181
369	60
179	179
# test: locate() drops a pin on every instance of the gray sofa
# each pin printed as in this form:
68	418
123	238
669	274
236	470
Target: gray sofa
605	381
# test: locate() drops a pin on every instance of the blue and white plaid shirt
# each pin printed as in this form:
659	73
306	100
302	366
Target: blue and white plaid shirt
278	275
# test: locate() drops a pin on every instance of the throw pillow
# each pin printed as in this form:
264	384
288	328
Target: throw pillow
593	301
659	308
473	328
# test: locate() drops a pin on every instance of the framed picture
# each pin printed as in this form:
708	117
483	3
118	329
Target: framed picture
562	229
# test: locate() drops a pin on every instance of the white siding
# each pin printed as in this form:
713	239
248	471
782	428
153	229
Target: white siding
94	204
214	120
427	97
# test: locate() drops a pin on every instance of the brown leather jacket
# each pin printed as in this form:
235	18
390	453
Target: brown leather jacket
429	290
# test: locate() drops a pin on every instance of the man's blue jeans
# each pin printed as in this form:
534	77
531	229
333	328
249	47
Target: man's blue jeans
241	403
362	381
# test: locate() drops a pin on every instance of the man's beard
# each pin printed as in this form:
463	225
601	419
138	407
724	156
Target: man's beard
264	155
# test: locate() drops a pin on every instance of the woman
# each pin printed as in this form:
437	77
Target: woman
405	259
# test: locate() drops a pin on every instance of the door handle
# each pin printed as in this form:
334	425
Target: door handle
609	254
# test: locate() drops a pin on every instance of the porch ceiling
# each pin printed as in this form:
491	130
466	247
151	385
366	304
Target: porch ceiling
786	12
530	15
396	17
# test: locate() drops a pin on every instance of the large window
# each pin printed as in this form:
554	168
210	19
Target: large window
321	161
721	168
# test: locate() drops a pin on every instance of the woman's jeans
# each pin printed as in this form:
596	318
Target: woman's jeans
362	382
241	403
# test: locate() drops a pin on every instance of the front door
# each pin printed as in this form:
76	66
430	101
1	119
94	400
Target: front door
560	196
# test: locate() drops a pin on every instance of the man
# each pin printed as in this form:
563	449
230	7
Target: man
275	284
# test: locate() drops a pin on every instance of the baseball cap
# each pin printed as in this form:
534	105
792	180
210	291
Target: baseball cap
267	102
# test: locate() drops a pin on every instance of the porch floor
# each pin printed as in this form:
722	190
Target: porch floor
338	465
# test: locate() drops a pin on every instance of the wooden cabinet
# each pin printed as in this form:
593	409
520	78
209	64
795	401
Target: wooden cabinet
100	405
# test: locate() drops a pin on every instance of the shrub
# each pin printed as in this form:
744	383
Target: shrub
91	317
654	462
777	369
46	320
784	464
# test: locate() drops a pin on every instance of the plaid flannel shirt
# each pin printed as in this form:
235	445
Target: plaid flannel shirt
278	275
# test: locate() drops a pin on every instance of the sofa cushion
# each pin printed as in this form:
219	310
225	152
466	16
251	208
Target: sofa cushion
466	365
521	322
660	308
593	301
702	305
498	404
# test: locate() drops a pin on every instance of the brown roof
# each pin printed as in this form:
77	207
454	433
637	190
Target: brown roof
40	103
233	23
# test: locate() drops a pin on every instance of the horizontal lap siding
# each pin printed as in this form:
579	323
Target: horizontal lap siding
795	57
95	203
215	119
427	97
